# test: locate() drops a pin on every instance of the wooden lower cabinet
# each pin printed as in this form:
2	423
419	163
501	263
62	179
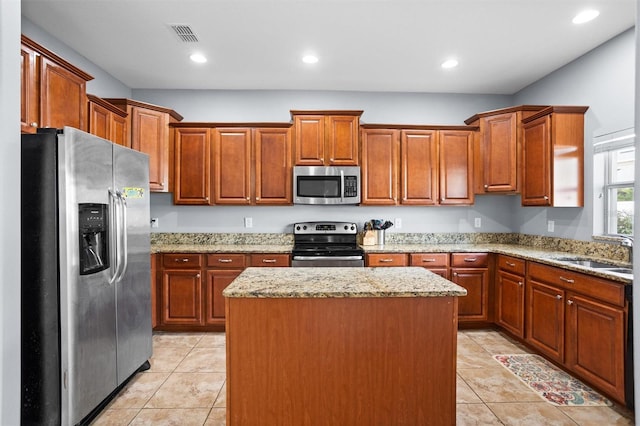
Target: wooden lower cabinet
438	263
510	295
190	291
579	321
595	343
182	297
471	271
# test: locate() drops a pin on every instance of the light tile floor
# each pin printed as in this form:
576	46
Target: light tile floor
186	386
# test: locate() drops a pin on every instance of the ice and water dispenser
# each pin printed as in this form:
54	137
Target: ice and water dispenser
93	230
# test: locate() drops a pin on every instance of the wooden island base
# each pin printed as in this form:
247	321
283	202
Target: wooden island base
341	361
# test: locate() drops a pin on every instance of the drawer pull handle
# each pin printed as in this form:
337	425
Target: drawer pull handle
558	297
184	260
386	260
268	261
429	260
566	280
225	260
470	259
511	264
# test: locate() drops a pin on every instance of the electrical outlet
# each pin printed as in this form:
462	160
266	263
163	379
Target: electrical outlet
248	222
551	225
155	222
477	222
398	223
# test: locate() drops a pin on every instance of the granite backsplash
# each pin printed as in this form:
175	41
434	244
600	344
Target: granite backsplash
604	249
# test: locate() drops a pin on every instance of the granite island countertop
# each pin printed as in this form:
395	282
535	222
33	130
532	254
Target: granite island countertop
340	283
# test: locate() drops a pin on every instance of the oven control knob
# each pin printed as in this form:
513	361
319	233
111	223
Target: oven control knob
304	227
346	227
353	227
298	228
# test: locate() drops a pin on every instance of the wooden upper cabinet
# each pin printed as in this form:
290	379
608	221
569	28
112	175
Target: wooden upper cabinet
232	165
380	166
149	133
192	166
456	167
553	158
273	170
419	167
53	90
326	138
498	148
107	121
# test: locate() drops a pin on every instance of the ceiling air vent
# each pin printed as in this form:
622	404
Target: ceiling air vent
184	33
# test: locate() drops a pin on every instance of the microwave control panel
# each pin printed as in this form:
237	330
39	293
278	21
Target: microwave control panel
350	186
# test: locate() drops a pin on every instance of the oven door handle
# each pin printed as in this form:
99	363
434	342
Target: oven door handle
327	258
342	186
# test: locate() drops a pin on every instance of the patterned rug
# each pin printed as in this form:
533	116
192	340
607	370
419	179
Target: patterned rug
556	386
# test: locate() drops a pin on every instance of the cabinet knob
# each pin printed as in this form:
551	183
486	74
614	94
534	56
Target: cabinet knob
520	283
248	198
545	197
558	297
257	198
569	302
34	124
206	198
455	274
486	187
197	275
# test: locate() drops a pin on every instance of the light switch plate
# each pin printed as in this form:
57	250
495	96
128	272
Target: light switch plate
398	223
477	222
551	225
248	222
154	222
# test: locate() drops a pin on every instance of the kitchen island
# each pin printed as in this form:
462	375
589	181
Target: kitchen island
311	346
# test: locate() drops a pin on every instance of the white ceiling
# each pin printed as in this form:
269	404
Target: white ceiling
363	45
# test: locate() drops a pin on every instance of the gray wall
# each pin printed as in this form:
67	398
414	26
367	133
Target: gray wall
10	213
604	80
103	84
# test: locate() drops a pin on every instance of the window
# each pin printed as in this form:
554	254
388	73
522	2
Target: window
614	169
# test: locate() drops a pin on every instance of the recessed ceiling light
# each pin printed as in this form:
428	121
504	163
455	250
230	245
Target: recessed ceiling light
585	16
449	63
309	59
198	58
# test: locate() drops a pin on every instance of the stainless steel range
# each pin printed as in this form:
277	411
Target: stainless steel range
326	244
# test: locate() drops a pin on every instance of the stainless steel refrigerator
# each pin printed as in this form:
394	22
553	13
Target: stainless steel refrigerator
85	273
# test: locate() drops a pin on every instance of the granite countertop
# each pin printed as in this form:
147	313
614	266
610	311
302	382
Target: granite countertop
221	248
340	283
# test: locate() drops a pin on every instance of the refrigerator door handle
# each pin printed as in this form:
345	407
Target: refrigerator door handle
123	235
113	235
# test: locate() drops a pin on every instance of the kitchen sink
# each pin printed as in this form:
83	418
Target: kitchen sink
598	265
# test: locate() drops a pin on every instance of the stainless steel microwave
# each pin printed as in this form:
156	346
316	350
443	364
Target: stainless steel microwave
326	185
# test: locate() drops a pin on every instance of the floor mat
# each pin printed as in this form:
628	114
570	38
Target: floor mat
553	384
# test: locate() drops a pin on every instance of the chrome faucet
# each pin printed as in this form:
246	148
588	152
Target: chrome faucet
628	242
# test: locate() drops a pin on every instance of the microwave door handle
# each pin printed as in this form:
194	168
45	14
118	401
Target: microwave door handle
342	186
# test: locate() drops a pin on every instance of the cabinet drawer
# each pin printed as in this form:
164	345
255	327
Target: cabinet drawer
386	259
226	260
469	260
511	264
182	260
598	288
266	259
429	260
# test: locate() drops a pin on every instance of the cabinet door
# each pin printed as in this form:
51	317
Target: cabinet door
510	300
232	166
380	166
217	281
119	130
63	97
475	305
342	140
456	167
192	166
150	134
499	152
536	146
29	90
310	140
273	170
182	297
595	343
419	167
545	319
99	121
